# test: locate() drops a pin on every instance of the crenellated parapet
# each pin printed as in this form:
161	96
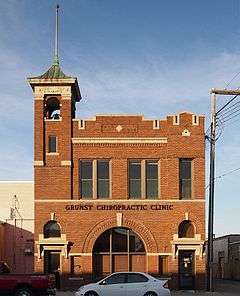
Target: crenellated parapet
183	124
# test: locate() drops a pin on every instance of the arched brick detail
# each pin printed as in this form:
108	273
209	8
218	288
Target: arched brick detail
140	229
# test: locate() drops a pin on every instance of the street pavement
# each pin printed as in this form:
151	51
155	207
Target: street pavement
222	287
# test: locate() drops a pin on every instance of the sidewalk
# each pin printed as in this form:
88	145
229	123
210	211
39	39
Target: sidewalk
221	287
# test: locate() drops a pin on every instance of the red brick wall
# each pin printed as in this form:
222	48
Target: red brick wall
61	183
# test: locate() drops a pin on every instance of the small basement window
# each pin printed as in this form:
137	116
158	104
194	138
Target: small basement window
52	144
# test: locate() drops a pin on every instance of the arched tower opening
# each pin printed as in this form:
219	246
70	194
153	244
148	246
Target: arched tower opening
52	108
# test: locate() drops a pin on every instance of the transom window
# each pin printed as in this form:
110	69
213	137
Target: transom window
185	178
94	179
143	179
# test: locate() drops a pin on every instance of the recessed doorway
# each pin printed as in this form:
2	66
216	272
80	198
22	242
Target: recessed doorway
187	270
52	265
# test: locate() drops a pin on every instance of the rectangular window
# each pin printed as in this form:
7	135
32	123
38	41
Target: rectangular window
86	175
102	179
52	144
151	179
94	179
143	179
185	178
134	173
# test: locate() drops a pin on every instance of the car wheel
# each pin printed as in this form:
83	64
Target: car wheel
150	294
90	293
23	292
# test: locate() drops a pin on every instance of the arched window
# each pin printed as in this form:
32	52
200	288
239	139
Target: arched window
118	249
186	229
51	229
52	108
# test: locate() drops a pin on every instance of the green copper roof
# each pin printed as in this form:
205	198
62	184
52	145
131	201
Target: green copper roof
54	72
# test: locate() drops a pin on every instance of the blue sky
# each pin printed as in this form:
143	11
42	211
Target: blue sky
151	57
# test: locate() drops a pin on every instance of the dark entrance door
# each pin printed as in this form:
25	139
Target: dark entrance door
52	265
186	270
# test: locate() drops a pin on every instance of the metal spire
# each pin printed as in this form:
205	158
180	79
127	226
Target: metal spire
56	58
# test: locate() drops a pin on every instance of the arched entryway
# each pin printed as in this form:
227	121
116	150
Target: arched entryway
118	249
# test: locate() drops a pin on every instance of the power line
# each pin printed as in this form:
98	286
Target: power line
235	76
229	102
230	118
231	106
230	114
229	109
225	174
230	123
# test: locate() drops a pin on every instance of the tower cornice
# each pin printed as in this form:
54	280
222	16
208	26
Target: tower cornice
72	81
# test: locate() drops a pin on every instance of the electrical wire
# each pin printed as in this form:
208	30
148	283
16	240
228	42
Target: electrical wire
223	118
219	128
226	120
230	112
230	123
229	102
223	175
235	76
230	107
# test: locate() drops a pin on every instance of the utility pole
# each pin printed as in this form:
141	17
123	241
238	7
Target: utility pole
214	115
211	195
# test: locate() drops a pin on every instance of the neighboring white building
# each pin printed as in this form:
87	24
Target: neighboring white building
17	224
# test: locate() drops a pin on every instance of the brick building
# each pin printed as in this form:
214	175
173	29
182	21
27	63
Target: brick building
116	193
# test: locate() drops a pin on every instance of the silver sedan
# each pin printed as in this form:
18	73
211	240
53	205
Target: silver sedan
126	284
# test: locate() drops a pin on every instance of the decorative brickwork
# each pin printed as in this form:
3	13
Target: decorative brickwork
101	226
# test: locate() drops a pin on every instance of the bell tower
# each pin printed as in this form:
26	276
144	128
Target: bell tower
55	97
